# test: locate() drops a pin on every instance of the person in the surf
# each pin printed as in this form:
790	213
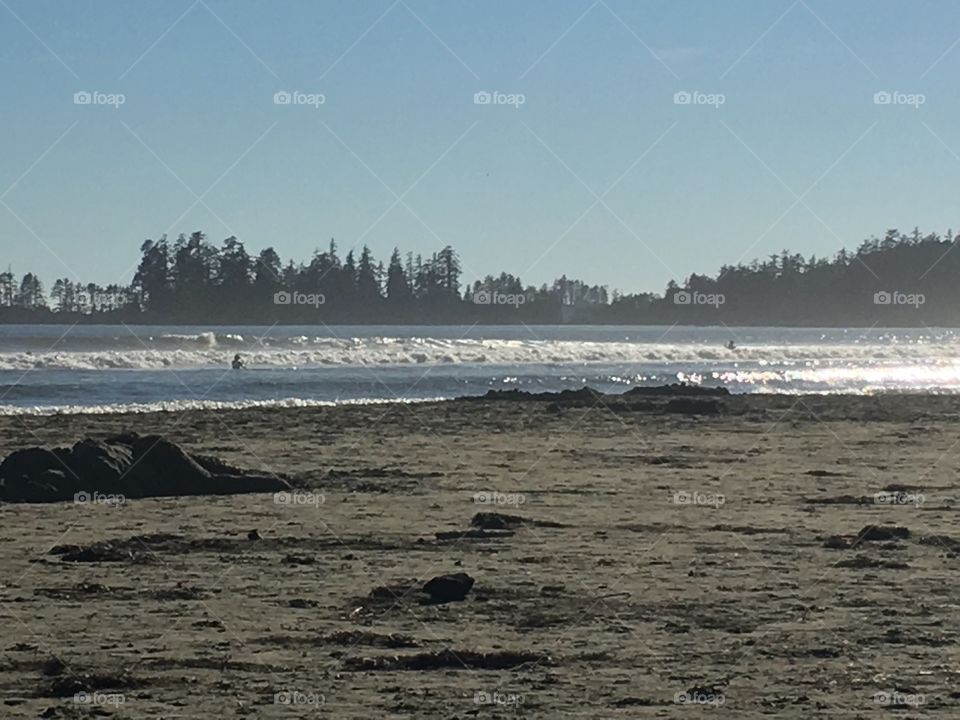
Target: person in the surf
731	345
237	362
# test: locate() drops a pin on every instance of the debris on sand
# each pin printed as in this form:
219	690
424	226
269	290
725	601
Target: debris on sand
870	533
842	500
633	701
475	534
120	467
493	526
944	542
448	660
136	549
61	680
302	603
448	588
862	562
838	542
689	406
89	591
390	594
150	547
342	638
350	638
502	521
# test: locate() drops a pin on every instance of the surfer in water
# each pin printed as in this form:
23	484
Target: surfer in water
237	362
731	345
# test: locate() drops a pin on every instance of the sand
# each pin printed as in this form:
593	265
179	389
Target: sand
680	570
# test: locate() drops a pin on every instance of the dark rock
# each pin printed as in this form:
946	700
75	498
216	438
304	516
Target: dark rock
302	603
36	475
496	521
502	521
53	667
29	463
836	542
476	534
44	487
881	533
130	465
97	552
102	465
677	390
591	396
841	500
448	588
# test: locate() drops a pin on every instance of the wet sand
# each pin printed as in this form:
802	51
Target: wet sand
681	566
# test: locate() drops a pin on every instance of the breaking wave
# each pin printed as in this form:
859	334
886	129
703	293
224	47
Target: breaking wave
178	406
212	350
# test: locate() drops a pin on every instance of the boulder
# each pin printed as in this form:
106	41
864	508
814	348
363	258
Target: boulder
882	533
102	464
29	463
448	588
36	475
129	464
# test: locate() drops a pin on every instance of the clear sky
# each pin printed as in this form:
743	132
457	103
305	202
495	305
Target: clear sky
598	174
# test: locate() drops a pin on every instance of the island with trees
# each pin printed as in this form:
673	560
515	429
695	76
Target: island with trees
897	280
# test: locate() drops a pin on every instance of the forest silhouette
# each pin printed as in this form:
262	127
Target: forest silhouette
897	280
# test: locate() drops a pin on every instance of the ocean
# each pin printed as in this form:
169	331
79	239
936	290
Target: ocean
108	369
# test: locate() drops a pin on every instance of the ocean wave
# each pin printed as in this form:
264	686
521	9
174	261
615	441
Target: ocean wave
177	406
212	350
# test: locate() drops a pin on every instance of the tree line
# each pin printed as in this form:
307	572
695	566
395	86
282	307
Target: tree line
899	279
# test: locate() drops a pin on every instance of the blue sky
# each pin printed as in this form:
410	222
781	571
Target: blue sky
799	155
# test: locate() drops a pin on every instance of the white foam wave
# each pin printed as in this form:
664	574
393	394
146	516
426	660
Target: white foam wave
179	406
209	350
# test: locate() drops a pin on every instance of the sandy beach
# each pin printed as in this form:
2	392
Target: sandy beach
668	564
